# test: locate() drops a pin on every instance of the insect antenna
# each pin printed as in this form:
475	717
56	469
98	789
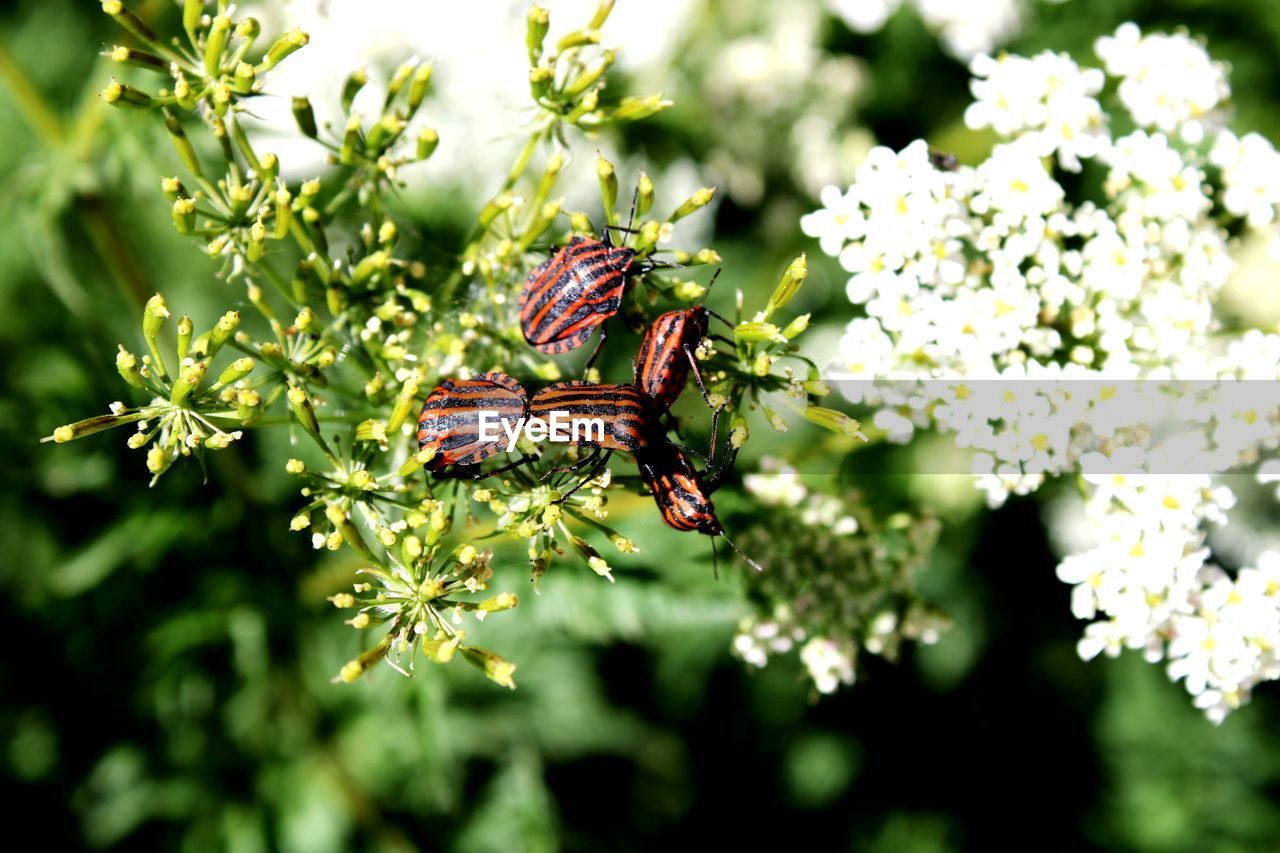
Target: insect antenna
750	562
718	316
715	275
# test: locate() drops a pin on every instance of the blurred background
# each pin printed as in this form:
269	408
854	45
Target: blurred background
167	652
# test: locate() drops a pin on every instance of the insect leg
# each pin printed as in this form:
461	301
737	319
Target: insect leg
523	460
573	466
604	333
715	413
591	475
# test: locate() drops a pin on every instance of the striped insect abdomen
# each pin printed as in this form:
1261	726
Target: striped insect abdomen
662	365
450	419
567	296
677	489
624	410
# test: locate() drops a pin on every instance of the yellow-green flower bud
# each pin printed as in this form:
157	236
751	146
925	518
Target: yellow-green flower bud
387	233
384	133
153	317
350	141
184	215
632	108
127	365
644	194
305	116
192	13
235	371
418	88
184	336
688	291
122	95
221	331
398	79
608	186
578	38
173	188
497	669
590	75
183	93
789	284
284	46
404	404
215	44
248	406
695	202
491	210
159	458
244	79
439	649
188	379
295	467
837	422
555	163
248	29
763	364
501	601
537	22
303	409
428	139
796	326
140	58
372	430
128	20
738	432
283	213
540	81
757	331
603	8
221	440
351	87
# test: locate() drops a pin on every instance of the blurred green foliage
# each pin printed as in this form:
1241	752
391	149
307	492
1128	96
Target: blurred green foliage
167	651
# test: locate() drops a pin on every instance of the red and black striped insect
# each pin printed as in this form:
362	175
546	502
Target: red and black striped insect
624	410
450	420
626	414
682	493
576	290
666	356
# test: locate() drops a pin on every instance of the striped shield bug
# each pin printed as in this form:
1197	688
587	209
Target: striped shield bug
682	493
450	420
626	414
624	410
666	356
576	290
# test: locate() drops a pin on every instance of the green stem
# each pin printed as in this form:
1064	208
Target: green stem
32	105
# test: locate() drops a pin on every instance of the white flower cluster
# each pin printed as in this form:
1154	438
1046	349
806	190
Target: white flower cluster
1011	288
833	595
1147	575
830	661
966	27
